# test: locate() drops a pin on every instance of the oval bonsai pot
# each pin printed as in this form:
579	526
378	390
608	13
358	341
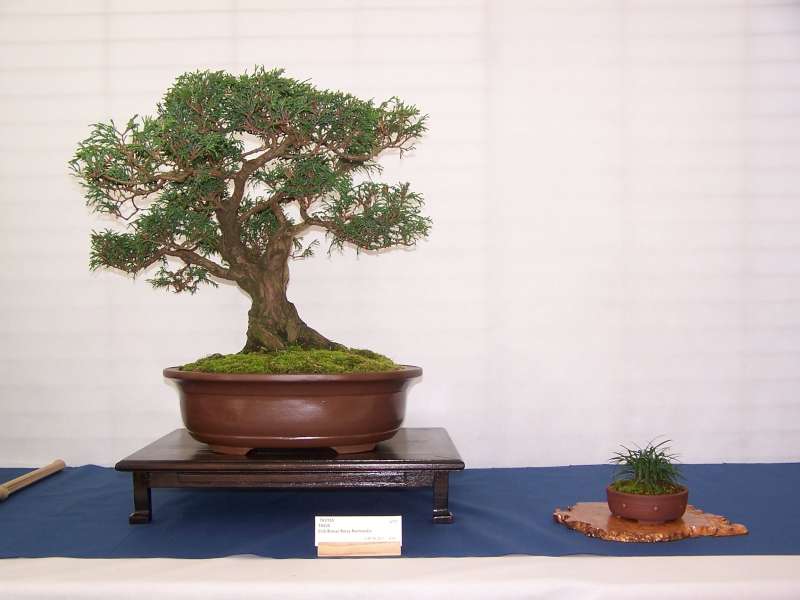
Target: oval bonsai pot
234	413
649	508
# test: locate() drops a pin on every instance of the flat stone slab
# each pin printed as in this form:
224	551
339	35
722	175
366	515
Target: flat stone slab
595	520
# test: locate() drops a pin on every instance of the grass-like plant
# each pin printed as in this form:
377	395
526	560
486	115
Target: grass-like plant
650	470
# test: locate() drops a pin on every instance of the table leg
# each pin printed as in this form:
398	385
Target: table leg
142	510
441	511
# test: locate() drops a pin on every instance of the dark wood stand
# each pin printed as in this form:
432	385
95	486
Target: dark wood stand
412	458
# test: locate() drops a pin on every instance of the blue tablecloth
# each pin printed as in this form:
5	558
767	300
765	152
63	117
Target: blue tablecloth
83	512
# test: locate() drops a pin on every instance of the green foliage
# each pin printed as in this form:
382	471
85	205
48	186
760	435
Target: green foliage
648	470
247	151
375	216
295	360
185	279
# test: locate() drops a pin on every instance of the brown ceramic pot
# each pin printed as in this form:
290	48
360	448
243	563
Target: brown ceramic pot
234	413
642	507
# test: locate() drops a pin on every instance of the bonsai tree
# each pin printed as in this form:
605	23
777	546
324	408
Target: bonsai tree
231	173
650	470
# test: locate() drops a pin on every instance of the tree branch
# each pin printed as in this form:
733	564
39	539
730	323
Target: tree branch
271	203
251	166
191	257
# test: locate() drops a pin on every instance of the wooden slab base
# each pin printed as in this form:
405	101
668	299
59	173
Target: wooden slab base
595	520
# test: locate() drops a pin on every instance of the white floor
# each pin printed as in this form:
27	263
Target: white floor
731	577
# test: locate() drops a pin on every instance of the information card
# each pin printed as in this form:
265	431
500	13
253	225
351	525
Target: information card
358	536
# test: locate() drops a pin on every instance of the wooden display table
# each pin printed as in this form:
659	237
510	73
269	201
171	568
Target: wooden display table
412	458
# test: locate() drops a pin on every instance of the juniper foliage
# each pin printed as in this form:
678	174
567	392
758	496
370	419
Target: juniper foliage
231	172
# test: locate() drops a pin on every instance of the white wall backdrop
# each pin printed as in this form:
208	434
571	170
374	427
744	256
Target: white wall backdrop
616	202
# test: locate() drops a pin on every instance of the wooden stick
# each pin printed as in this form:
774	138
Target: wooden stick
9	487
358	549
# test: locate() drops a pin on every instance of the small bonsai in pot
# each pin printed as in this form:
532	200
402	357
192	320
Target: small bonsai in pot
645	486
222	184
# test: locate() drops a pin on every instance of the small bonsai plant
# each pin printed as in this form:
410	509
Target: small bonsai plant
650	470
652	474
227	178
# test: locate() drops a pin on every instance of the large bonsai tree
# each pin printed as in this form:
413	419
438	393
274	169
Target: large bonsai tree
230	174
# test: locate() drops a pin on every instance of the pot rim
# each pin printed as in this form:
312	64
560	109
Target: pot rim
405	372
684	491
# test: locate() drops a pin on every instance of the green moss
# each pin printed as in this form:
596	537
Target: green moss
295	360
629	486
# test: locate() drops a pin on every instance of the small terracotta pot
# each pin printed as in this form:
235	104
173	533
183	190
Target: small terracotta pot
234	413
643	507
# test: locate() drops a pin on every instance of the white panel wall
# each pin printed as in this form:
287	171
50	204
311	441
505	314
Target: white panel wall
616	203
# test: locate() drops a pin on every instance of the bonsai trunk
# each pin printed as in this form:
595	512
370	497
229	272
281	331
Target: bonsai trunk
273	322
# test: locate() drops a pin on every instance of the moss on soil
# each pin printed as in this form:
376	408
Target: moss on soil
295	360
628	486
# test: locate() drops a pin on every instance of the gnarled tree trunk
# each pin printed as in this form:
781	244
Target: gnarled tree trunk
273	322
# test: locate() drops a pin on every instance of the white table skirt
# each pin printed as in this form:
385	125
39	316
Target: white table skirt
723	577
